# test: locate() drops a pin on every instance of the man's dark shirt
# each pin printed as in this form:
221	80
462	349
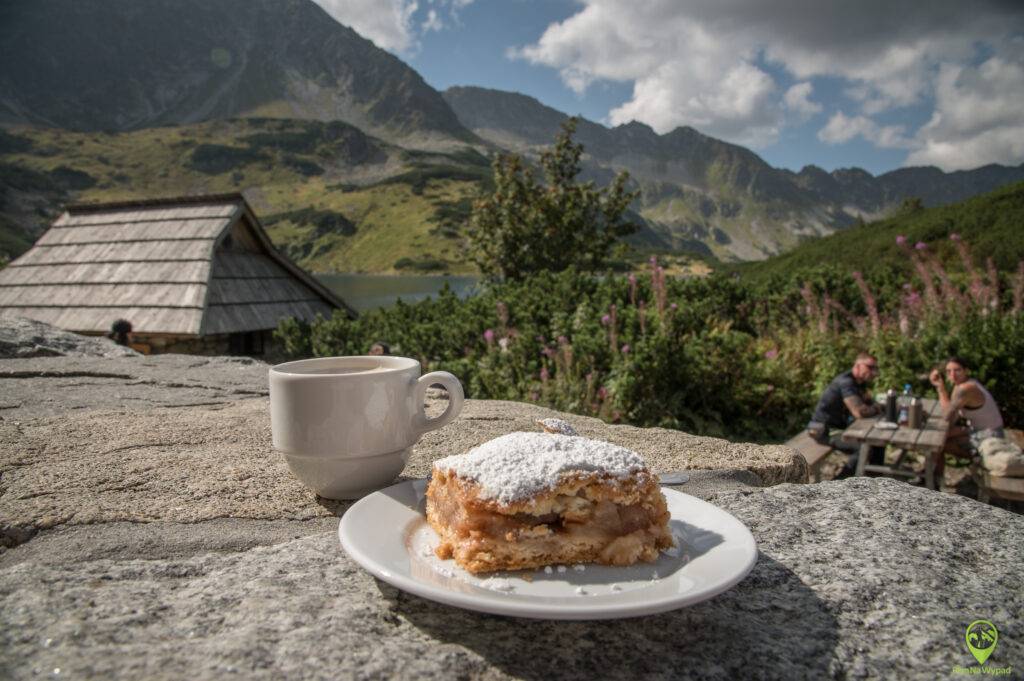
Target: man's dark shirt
831	410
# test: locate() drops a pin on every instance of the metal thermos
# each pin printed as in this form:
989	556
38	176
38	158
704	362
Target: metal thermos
916	413
891	406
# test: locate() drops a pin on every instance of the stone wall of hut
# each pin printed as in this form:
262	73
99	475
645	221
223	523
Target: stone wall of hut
257	344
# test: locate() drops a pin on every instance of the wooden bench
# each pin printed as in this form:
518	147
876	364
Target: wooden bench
990	486
999	487
813	452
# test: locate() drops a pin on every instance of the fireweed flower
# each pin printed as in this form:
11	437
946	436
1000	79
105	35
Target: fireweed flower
562	340
954	237
625	349
921	246
606	320
544	375
901	240
489	336
673	307
771	354
602	393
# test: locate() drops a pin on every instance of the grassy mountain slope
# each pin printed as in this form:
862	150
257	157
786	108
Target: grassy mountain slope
992	224
333	198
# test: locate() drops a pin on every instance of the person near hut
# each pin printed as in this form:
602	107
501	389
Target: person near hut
969	401
120	332
846	398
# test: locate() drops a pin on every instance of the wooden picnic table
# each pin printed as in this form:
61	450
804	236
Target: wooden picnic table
928	440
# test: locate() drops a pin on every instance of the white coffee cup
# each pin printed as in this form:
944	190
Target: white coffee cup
347	425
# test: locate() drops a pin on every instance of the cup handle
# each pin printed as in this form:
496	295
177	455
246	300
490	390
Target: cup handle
455	399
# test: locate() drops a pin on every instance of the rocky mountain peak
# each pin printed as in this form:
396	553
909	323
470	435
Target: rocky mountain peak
129	64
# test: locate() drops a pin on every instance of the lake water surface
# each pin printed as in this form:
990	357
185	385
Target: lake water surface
371	291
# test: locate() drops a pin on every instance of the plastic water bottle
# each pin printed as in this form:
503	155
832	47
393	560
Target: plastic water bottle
905	399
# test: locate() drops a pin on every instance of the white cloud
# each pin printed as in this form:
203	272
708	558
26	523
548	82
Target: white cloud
390	24
798	100
715	64
842	128
432	22
979	115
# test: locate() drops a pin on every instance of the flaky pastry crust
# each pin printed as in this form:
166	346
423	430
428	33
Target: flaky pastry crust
586	517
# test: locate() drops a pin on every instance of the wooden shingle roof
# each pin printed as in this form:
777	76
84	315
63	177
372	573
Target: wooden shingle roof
190	266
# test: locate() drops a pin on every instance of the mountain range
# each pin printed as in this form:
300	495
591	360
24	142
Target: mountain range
187	92
720	194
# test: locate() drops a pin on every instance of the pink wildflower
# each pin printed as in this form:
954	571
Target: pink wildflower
606	320
921	246
625	349
489	336
901	240
602	393
673	307
954	237
544	375
562	340
771	354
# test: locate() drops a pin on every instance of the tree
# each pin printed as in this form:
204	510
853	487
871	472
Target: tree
527	226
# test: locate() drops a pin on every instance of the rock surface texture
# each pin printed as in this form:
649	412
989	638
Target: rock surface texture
150	531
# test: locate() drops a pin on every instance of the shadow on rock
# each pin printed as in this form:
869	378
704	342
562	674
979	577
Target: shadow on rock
335	507
771	625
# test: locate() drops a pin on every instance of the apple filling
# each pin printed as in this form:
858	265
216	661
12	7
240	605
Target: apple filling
584	518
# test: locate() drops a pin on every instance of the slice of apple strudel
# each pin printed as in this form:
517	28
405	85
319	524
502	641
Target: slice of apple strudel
526	500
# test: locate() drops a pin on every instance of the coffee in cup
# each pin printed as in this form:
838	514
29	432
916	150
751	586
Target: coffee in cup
347	425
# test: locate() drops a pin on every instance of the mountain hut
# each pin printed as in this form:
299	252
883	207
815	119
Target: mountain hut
191	274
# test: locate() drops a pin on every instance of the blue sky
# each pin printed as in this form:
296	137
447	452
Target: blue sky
874	84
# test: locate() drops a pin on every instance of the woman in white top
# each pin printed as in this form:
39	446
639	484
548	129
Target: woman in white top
969	400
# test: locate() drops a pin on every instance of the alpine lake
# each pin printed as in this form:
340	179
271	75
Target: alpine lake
371	291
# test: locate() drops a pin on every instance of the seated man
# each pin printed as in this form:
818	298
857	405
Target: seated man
971	401
847	398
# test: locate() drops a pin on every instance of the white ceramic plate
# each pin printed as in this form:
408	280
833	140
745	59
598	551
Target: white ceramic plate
387	534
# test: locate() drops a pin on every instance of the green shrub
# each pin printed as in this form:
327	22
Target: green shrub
714	356
214	159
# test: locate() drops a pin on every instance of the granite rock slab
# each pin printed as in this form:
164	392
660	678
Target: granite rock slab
864	578
148	530
184	439
21	337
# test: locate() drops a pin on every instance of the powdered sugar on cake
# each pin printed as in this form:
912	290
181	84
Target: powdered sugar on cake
518	465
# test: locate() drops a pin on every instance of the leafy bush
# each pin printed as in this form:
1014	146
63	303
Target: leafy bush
424	264
302	166
717	356
323	221
526	226
214	159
